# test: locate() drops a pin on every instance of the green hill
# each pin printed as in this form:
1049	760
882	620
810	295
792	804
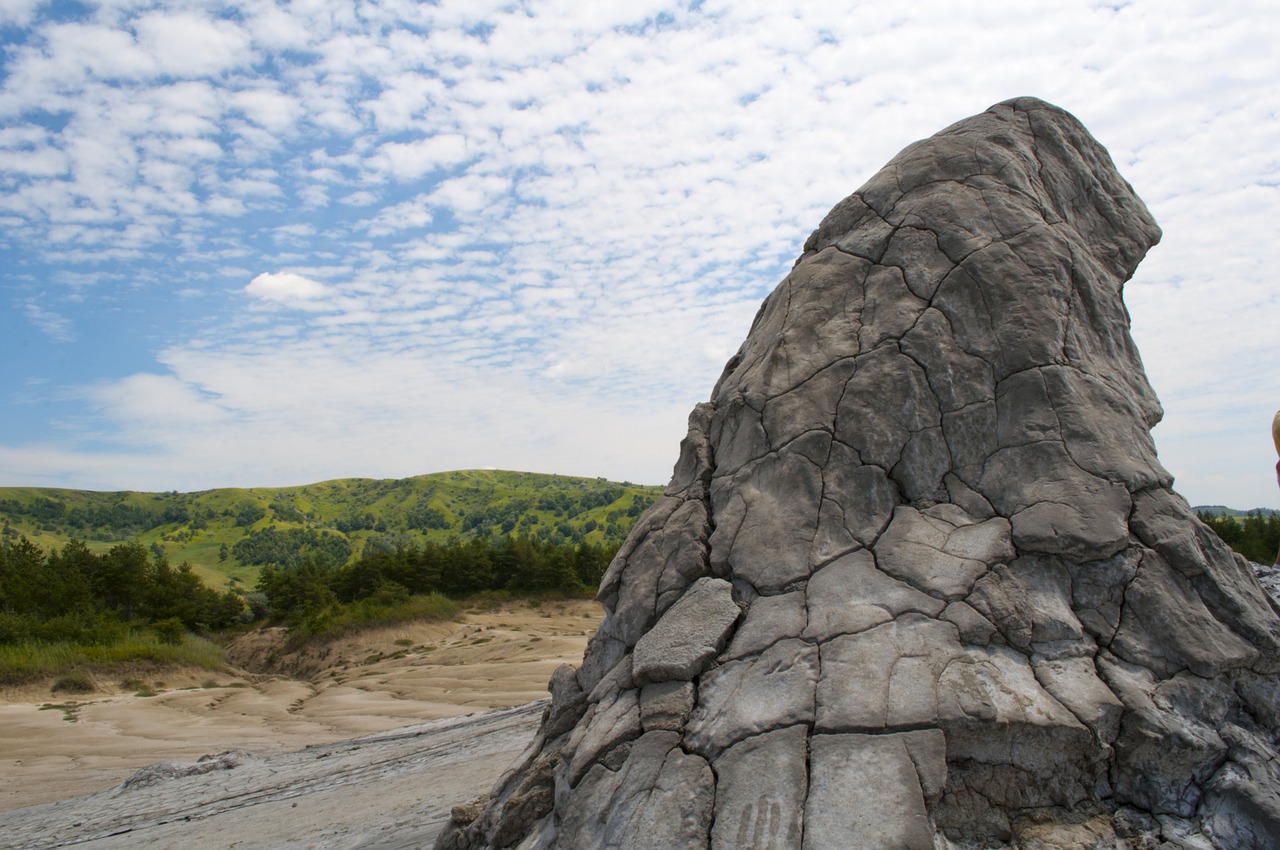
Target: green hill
228	534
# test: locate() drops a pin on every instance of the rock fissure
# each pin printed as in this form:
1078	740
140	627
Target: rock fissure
806	380
846	251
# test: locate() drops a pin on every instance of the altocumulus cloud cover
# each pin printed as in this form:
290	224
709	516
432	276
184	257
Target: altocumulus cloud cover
257	244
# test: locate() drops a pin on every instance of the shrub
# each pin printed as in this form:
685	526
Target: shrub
171	631
15	628
102	629
76	682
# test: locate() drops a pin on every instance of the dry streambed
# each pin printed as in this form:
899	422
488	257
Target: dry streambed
53	747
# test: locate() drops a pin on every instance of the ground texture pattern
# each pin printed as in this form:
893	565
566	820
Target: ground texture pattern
919	580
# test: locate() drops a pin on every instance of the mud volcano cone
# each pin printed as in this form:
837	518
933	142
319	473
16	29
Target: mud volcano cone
919	580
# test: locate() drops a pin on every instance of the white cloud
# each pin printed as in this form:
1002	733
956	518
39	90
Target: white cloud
271	109
55	326
46	162
294	232
185	44
75	50
224	206
404	100
363	198
411	160
288	419
18	13
472	193
157	404
285	288
414	213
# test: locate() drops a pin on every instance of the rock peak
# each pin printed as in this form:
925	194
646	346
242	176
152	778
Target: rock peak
919	580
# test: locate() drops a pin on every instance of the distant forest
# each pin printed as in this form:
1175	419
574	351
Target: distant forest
228	535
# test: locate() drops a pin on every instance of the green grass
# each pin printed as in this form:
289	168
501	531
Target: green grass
35	660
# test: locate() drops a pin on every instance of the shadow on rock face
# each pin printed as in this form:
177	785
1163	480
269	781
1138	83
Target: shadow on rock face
919	576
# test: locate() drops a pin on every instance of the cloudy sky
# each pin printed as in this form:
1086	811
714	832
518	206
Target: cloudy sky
271	244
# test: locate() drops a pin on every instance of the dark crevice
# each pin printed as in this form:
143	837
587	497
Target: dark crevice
852	358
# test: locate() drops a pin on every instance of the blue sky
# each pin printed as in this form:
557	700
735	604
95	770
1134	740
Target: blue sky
269	244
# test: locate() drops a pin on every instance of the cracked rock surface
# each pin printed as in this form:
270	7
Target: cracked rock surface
919	579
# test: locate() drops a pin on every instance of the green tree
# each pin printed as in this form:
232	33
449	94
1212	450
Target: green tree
466	567
66	580
121	578
21	565
1256	536
294	590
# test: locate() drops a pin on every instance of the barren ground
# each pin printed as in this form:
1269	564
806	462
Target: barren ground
55	746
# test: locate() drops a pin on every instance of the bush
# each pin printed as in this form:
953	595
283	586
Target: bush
171	631
102	629
15	628
76	682
259	606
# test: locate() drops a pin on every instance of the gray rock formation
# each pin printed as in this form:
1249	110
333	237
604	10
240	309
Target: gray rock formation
919	580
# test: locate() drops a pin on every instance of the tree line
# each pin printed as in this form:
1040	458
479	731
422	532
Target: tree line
1256	536
457	568
78	596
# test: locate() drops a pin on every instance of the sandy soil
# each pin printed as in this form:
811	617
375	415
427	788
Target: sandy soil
53	746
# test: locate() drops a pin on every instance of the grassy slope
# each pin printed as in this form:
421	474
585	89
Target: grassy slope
390	504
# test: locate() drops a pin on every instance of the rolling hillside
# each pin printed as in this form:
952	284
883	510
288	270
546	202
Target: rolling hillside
227	534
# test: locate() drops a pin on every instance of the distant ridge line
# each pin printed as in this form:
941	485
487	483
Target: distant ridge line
1224	511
